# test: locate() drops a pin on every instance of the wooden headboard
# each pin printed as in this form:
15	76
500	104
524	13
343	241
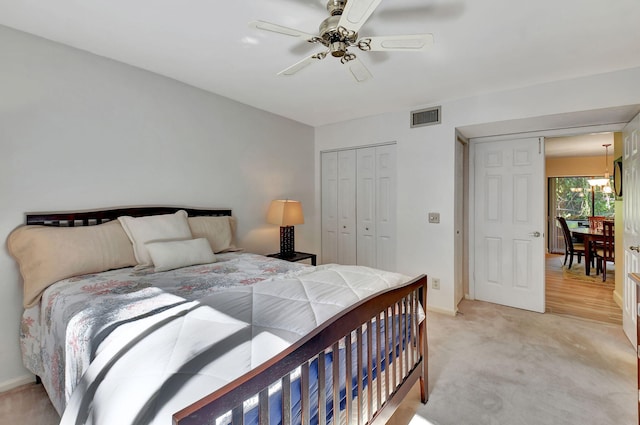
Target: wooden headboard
91	217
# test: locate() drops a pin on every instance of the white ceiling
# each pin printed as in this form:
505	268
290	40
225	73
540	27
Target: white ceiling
480	46
583	145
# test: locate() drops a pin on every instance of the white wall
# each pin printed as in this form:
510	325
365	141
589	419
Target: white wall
425	159
79	131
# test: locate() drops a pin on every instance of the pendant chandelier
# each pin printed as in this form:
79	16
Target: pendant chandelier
604	181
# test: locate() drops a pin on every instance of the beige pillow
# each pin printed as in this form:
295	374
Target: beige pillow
219	231
154	228
175	254
48	254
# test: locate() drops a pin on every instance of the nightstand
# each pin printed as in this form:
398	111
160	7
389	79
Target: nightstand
295	256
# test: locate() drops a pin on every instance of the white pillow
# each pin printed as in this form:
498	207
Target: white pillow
175	254
154	228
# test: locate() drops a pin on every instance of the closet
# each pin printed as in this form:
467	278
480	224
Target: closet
359	206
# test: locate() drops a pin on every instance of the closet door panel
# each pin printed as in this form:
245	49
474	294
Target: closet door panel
329	204
366	207
347	207
385	207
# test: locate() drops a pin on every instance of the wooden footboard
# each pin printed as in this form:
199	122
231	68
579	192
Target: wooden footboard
355	369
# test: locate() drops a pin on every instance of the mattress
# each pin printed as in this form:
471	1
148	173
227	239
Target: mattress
126	346
62	335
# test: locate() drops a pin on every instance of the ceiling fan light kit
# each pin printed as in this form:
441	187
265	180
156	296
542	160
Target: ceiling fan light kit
339	32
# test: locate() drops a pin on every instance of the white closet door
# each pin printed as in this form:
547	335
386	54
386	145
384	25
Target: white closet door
366	207
329	189
347	207
385	207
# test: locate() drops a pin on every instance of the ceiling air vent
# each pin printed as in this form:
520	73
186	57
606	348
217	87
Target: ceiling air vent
424	117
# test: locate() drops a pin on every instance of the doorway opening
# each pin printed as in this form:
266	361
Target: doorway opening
570	163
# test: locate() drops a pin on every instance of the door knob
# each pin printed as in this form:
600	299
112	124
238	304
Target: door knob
635	248
535	234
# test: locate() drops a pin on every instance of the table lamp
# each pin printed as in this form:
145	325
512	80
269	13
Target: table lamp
286	214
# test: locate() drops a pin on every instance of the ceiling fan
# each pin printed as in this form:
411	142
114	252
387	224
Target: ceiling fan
339	32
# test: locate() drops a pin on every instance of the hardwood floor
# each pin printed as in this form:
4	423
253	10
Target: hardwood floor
572	293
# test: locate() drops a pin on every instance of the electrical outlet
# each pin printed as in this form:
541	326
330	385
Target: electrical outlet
435	283
434	217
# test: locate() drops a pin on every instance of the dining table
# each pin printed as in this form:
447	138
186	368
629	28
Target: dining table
589	235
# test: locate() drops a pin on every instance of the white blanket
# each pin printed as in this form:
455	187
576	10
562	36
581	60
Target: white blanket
149	369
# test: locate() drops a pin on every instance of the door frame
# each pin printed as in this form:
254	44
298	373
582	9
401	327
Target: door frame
461	235
560	132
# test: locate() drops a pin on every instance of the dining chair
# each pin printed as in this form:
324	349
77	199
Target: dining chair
606	250
595	222
571	248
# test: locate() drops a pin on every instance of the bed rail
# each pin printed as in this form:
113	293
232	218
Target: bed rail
381	337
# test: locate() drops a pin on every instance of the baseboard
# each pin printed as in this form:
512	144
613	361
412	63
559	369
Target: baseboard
441	310
618	299
16	382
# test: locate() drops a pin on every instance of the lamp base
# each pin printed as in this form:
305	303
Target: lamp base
287	241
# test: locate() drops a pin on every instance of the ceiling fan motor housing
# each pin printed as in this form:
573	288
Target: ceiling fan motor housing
337	41
338	49
335	7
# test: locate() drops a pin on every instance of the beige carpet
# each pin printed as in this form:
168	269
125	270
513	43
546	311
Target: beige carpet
497	365
490	365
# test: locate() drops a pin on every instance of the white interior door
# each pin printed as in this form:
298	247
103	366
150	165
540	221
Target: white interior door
366	207
347	207
509	222
386	207
631	218
329	202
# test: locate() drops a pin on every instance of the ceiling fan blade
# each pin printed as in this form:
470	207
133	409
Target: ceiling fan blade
415	42
356	12
268	26
358	71
299	66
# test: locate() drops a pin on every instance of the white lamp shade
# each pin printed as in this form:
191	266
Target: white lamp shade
285	213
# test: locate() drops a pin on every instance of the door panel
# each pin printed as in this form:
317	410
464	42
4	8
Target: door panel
347	207
329	161
509	223
385	207
359	207
366	207
631	218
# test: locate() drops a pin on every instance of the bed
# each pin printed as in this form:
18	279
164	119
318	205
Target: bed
243	339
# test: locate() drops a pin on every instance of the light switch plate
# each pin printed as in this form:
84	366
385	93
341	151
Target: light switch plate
434	217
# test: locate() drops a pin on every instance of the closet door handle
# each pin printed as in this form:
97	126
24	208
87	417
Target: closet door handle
635	248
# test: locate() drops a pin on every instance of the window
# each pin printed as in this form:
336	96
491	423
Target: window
573	199
576	201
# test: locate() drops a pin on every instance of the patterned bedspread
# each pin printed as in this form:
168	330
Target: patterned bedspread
77	317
